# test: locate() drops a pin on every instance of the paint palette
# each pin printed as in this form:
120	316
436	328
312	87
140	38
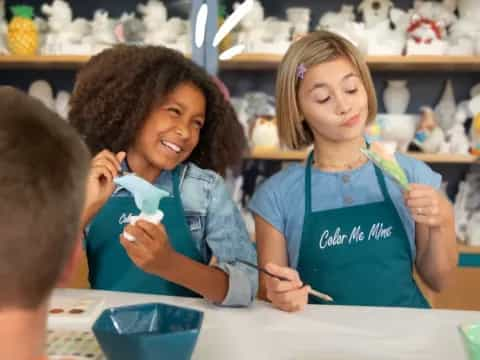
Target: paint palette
72	345
75	308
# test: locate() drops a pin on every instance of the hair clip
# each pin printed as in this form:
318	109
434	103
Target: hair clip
301	70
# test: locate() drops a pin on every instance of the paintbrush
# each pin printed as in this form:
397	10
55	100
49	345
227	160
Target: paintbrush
312	292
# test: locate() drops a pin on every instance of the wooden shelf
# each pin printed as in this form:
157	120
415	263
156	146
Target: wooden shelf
252	62
266	62
444	158
424	63
467	249
376	63
42	62
275	154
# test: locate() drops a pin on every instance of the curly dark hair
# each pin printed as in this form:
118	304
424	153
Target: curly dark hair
116	90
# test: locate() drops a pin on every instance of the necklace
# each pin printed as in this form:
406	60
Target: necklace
342	166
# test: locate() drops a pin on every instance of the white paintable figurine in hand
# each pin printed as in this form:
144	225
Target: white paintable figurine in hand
147	198
155	218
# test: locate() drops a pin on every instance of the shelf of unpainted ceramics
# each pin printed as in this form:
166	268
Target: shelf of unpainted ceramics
376	63
299	155
42	62
267	62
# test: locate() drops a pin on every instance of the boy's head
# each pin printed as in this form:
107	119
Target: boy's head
119	89
312	50
43	169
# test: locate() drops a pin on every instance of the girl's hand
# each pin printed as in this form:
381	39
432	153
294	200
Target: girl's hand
103	168
288	295
428	206
151	251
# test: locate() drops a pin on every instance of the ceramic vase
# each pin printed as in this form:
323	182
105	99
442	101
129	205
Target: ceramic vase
396	97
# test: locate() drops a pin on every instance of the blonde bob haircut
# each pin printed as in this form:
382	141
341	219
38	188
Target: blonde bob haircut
313	49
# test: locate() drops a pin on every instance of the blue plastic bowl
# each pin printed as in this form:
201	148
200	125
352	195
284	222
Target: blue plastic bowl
148	331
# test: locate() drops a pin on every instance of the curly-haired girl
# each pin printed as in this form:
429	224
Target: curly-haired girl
154	112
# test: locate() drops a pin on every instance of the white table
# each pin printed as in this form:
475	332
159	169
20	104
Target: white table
319	332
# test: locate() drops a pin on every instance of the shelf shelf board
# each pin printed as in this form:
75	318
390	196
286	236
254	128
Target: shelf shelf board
376	63
265	153
42	62
444	158
468	249
265	62
252	62
424	63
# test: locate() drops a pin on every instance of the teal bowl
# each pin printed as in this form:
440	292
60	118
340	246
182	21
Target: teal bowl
148	331
471	340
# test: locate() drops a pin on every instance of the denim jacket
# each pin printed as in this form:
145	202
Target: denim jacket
217	227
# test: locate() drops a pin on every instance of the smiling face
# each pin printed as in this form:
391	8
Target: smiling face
333	100
172	129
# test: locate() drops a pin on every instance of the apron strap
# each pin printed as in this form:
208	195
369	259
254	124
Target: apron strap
176	182
383	185
308	183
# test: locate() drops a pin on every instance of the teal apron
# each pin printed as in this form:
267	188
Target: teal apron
359	255
110	268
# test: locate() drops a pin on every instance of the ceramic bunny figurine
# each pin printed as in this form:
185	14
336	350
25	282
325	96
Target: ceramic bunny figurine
343	23
252	28
154	16
103	31
129	29
374	12
64	36
382	37
173	33
263	35
465	33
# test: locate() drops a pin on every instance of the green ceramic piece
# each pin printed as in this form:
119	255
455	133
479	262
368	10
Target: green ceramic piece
471	339
389	167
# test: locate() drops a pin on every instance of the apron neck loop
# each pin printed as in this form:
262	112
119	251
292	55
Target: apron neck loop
308	184
381	182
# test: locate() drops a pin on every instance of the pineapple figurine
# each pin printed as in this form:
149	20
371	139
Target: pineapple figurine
22	31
